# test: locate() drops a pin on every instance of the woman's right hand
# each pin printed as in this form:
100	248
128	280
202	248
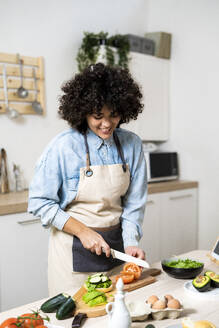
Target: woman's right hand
93	241
89	238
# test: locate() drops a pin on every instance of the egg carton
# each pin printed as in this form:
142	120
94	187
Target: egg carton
166	313
147	312
158	315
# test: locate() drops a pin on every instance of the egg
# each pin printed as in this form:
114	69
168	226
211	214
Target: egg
152	299
159	305
173	304
168	297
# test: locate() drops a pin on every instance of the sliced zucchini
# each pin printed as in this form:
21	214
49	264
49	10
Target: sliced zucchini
66	310
95	280
104	278
52	304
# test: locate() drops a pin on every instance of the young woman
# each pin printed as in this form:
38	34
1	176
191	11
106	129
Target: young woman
90	183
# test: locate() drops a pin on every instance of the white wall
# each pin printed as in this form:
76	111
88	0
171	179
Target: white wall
54	29
194	100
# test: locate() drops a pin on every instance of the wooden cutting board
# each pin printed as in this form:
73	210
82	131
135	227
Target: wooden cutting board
146	278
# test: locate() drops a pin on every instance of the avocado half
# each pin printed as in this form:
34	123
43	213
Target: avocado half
202	283
214	278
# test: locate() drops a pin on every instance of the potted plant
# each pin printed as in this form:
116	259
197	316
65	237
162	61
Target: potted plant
100	47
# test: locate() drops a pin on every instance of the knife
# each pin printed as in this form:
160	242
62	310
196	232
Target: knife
128	258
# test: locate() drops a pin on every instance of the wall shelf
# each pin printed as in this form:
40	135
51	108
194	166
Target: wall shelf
22	105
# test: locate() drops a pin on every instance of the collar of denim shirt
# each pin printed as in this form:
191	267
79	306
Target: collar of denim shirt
97	141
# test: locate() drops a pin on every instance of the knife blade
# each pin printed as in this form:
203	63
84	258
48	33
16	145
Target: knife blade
128	258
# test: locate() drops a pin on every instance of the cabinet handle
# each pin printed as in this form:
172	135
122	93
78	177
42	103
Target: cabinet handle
181	196
150	202
24	222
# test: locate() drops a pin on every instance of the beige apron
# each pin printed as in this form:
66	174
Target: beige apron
98	205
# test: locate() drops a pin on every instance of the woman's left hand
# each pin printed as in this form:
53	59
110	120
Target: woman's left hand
135	251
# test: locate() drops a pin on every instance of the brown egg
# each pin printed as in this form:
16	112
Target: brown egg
168	297
174	304
159	305
152	299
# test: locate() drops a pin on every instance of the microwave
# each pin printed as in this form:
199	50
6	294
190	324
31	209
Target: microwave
162	166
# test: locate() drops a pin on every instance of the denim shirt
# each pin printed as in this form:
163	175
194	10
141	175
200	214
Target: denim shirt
57	174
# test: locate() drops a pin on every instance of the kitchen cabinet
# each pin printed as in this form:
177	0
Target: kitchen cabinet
152	74
179	222
23	265
151	229
170	224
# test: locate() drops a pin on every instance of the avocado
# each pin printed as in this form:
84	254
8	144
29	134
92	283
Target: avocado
91	295
202	283
99	300
214	278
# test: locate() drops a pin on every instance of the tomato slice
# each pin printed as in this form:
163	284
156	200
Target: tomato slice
126	278
9	323
133	268
127	273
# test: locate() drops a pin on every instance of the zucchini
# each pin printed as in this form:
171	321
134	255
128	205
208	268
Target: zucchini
104	278
66	310
95	280
52	304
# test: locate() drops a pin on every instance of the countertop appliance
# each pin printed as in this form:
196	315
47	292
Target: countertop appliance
162	166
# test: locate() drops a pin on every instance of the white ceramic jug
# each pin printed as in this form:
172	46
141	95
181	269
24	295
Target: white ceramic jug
118	314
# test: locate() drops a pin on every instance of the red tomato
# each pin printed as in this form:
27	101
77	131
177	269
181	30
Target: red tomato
127	278
30	320
133	268
41	326
9	323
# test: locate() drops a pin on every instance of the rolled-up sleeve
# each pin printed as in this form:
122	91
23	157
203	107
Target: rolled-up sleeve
44	199
135	199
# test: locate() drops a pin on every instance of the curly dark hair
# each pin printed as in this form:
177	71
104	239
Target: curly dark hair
96	86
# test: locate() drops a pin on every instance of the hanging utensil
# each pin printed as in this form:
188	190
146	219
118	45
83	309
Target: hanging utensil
10	112
17	176
21	91
36	104
4	185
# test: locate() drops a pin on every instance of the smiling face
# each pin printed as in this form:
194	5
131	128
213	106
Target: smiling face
104	123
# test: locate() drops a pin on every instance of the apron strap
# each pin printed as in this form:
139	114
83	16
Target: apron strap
120	151
88	171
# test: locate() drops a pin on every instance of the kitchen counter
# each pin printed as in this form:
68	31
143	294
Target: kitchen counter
16	202
13	202
195	307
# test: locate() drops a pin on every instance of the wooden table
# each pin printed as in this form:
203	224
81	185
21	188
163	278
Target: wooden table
195	308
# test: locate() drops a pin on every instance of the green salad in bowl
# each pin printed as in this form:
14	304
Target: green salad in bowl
182	268
186	264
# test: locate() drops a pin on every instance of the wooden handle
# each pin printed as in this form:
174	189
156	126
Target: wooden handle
4	187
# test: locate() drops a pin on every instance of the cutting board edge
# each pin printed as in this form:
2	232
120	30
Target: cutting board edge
93	312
